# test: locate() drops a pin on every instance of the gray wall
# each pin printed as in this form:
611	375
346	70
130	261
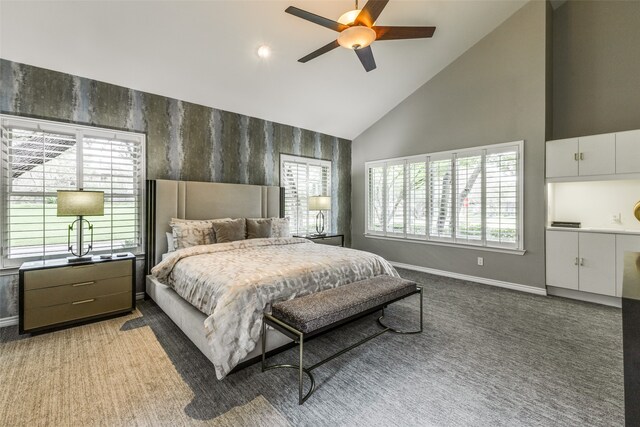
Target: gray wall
184	141
596	67
493	93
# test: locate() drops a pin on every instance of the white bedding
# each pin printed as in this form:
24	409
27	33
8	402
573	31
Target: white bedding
233	283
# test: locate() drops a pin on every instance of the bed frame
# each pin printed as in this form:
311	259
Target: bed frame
202	200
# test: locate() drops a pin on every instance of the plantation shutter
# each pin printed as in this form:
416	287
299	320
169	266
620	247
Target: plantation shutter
36	163
375	194
440	197
302	178
113	166
395	200
417	202
502	196
38	158
468	202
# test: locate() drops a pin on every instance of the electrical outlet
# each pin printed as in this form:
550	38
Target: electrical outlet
616	218
480	260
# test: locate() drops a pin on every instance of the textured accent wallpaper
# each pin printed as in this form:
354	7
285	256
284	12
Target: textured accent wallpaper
184	141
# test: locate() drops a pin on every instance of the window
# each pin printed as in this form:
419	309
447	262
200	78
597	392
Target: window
40	157
468	197
301	178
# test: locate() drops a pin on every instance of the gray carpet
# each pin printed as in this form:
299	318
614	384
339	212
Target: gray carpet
488	356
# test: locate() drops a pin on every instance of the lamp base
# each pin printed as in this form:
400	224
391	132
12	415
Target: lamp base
74	259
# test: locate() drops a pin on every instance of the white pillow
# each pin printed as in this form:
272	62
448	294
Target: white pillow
170	246
280	227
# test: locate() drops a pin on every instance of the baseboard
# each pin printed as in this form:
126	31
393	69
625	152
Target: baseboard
585	296
140	295
483	280
8	321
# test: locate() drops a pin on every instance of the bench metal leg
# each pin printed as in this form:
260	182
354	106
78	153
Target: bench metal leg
300	340
300	367
404	332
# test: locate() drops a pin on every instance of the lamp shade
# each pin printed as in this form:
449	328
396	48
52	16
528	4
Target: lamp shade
319	203
80	203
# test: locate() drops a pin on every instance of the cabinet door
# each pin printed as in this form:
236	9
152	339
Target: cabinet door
624	243
598	263
562	259
597	154
628	152
561	158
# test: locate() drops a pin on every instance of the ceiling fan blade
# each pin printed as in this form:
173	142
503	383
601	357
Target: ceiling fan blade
316	19
370	12
324	49
366	57
399	33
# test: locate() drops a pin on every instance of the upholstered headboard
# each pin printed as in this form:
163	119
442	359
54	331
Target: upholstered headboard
202	200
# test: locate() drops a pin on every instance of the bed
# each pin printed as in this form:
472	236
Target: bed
216	293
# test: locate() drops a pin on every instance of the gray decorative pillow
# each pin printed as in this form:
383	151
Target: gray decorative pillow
258	228
230	231
204	222
192	233
280	227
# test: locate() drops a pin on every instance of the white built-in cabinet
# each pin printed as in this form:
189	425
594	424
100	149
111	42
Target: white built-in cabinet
606	154
587	261
591	260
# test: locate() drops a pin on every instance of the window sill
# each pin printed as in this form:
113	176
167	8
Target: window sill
451	245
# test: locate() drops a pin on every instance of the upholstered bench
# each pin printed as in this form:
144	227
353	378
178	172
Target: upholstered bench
304	317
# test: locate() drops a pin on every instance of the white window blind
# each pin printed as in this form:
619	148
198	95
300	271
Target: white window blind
440	189
375	195
469	197
417	202
395	199
502	201
301	178
40	157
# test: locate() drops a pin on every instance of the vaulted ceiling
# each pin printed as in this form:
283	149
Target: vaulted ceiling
206	52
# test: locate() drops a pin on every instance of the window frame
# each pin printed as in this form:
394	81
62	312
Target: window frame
453	240
80	131
329	225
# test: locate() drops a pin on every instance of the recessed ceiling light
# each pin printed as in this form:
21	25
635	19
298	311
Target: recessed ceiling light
264	51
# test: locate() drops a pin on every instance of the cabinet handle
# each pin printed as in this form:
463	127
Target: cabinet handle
83	301
581	262
581	156
576	261
82	284
575	156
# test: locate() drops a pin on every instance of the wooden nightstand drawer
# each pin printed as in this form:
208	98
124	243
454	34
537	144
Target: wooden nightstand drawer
46	278
46	316
46	297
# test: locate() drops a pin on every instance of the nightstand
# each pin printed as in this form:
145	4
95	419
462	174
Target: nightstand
54	293
327	239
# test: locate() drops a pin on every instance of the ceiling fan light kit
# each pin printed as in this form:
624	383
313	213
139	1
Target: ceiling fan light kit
357	31
356	37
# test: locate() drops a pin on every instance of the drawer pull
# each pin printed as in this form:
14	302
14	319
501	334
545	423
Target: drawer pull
83	284
83	301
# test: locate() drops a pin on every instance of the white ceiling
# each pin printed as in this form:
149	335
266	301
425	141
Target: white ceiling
205	52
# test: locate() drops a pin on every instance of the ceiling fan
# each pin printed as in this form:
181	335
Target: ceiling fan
357	31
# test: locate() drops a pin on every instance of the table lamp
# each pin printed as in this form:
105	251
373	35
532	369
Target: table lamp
80	203
319	203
